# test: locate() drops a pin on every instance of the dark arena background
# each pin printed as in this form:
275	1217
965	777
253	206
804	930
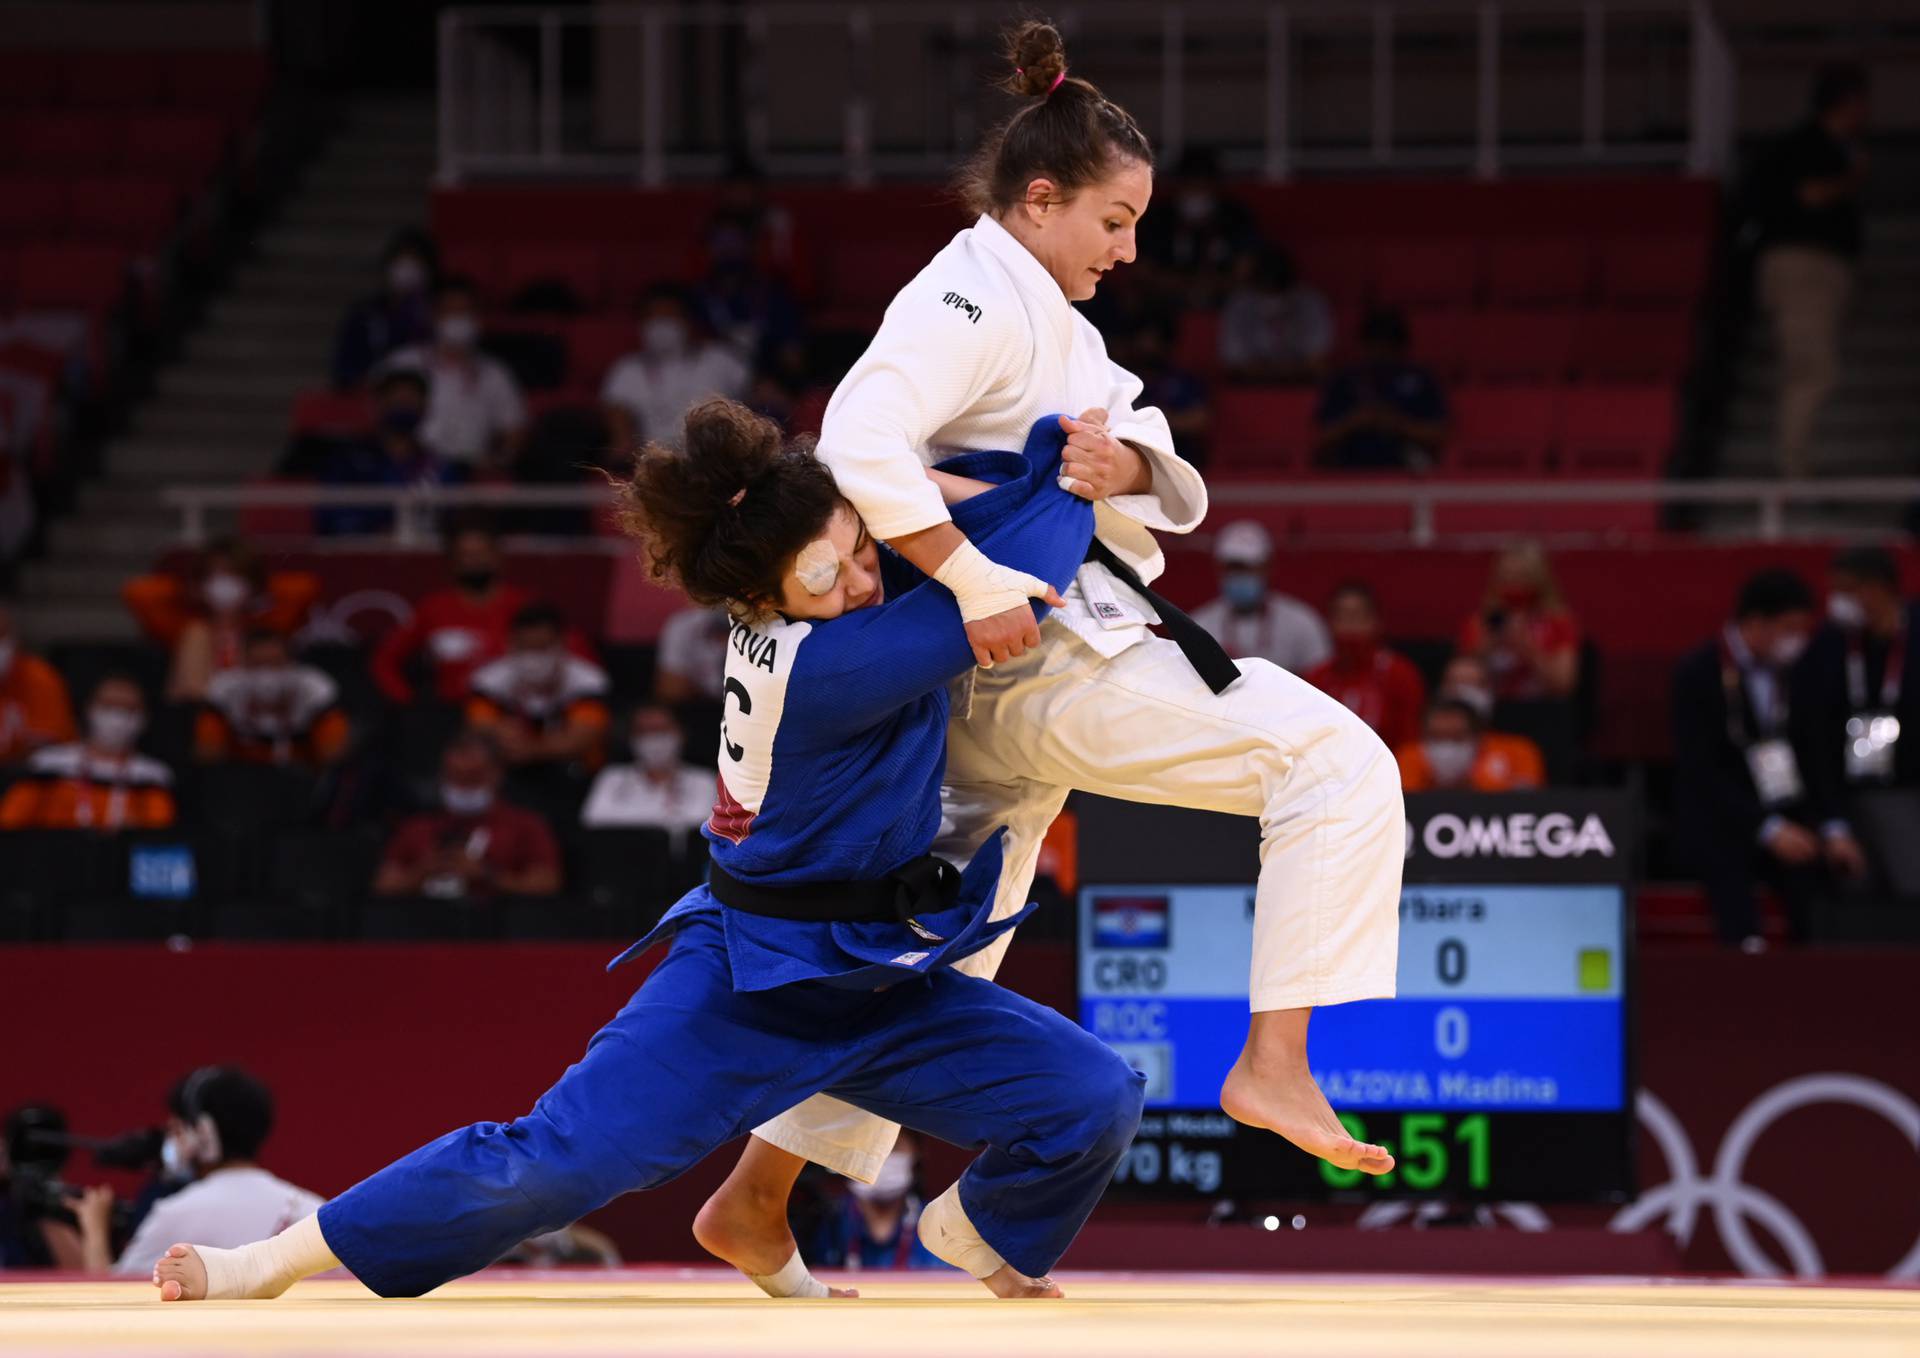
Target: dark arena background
1551	370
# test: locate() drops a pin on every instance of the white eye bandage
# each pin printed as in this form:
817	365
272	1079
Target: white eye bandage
817	566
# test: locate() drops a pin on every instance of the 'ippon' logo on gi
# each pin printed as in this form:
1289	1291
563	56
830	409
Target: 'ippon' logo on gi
959	303
1517	836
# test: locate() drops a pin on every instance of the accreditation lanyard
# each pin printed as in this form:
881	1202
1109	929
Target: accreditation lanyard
1890	677
1770	759
1739	698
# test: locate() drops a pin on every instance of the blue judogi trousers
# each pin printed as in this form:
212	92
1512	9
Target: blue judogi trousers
691	1063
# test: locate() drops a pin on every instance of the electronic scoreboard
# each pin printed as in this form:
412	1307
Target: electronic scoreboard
1501	1068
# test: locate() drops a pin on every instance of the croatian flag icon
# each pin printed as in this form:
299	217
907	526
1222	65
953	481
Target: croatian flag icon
1130	922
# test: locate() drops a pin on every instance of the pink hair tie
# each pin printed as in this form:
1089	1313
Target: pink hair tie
738	496
1056	81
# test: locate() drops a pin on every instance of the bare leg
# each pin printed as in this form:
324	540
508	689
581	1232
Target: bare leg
1271	1086
745	1221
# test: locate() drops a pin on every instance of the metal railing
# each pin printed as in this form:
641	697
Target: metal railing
414	507
659	91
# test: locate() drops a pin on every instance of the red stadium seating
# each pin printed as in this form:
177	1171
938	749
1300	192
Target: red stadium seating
66	143
1502	431
29	79
90	278
1617	431
1653	270
595	344
135	212
1197	345
189	148
1443	340
1521	346
1554	272
578	265
1652	346
1268	430
230	82
32	208
337	413
107	79
1342	269
1423	271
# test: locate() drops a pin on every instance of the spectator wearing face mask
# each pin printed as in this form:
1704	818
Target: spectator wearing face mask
1524	630
1194	251
271	710
477	845
398	315
1380	686
454	630
648	393
1454	754
476	417
877	1224
101	782
34	708
1466	679
202	614
658	789
1274	328
1251	618
218	1118
748	230
1386	412
690	661
542	703
1743	811
394	454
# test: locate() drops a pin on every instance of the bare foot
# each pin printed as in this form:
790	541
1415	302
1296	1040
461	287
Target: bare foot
748	1229
180	1275
1008	1284
1280	1095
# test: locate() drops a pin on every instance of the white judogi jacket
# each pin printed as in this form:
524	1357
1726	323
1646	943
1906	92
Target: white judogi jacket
976	348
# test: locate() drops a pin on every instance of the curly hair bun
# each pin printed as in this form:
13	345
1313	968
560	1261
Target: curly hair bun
1038	56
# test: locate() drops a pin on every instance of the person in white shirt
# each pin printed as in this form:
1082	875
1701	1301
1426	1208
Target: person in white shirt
1250	617
476	416
690	661
972	352
647	394
657	790
220	1117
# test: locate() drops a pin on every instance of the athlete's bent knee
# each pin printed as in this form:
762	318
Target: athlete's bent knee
1116	1098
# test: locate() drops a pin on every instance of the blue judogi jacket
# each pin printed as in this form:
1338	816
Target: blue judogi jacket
834	745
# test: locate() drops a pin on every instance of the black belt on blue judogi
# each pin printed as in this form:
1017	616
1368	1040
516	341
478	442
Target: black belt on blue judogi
922	886
1207	656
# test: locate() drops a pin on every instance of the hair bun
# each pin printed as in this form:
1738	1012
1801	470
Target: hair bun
1038	56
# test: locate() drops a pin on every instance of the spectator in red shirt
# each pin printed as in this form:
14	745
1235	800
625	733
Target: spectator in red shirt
1523	630
1380	686
477	846
461	628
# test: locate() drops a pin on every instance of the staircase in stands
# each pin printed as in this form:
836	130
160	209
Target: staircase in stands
219	412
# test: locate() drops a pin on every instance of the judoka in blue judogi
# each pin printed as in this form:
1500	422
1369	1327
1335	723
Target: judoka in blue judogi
833	750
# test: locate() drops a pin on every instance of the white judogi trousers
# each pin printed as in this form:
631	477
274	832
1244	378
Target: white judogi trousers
1142	726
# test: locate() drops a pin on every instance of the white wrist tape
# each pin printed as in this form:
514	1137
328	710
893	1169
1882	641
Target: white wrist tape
982	588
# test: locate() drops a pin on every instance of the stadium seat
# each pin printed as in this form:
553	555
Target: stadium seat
1196	346
1663	271
67	143
1520	346
1501	431
1263	429
1552	272
594	345
110	79
1341	268
1616	431
249	798
619	868
1443	340
91	278
32	207
1613	346
1426	272
339	414
30	78
140	213
186	147
576	266
229	82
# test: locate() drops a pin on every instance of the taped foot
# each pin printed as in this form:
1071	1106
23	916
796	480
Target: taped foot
749	1234
949	1235
251	1273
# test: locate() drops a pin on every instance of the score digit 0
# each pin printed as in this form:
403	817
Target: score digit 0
1450	961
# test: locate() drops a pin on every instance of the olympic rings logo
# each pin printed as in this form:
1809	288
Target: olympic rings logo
1732	1200
1676	1204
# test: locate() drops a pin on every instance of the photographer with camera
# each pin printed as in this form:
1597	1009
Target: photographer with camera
41	1218
220	1116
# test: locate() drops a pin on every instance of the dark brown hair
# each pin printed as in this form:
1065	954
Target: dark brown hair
1071	134
721	517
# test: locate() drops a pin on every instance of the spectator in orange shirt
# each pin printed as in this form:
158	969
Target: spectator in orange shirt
270	710
34	708
1455	754
100	783
1523	630
1380	686
458	629
542	703
203	614
478	845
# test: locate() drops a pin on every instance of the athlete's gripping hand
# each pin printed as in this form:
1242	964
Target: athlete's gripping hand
1097	465
993	603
